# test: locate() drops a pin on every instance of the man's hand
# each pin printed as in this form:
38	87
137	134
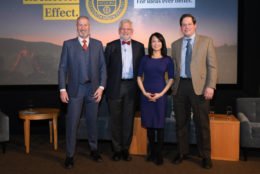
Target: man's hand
98	94
64	96
208	94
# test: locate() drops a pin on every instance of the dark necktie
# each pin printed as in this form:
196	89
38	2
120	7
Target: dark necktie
85	47
188	58
126	42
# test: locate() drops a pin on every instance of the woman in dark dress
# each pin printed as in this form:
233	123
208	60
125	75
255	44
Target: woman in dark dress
153	98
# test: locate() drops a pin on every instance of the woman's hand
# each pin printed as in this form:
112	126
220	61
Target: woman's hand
155	96
148	95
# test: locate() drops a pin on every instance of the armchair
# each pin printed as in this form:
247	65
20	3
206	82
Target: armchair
248	112
4	129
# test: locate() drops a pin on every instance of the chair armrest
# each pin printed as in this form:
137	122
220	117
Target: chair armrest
4	127
245	130
242	117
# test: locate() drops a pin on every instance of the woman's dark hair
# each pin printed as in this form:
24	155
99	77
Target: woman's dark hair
188	15
162	40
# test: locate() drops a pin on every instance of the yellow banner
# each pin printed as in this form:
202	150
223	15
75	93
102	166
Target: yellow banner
60	12
50	1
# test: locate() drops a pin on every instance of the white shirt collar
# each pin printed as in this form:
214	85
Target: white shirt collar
81	41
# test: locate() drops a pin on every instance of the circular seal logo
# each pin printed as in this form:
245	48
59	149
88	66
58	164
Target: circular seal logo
106	11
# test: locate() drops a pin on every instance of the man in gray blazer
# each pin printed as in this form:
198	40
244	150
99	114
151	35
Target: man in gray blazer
82	64
195	80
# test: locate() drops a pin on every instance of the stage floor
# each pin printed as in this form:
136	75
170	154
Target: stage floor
44	159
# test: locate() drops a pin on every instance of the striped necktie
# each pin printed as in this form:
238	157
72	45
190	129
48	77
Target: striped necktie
188	58
85	47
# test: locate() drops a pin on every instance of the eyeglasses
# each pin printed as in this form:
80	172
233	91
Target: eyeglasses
126	29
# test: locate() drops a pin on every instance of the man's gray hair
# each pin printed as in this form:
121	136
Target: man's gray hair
82	17
125	21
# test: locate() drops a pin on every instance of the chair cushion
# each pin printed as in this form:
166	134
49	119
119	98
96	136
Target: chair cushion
255	129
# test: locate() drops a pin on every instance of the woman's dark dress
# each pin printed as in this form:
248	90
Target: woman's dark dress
153	113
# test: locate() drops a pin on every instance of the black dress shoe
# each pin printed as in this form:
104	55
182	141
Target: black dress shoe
95	156
159	159
68	164
206	163
116	156
126	156
179	158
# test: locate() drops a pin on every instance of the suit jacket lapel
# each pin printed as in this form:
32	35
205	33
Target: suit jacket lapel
78	48
118	46
133	53
179	49
77	44
90	47
195	46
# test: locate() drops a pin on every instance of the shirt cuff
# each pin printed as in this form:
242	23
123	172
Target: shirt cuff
62	90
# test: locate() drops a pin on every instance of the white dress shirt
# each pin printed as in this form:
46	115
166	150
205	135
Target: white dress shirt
127	60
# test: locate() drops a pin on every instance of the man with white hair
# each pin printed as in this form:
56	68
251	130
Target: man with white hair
122	59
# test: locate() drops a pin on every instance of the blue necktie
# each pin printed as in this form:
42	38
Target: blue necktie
188	58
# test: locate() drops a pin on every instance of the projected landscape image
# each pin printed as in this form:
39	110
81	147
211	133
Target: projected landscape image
30	47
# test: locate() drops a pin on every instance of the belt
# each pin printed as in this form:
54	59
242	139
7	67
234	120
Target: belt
127	80
185	78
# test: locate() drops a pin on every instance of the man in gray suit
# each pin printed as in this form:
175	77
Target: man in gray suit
82	65
195	80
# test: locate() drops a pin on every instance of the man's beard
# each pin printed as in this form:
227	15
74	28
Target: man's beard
83	35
